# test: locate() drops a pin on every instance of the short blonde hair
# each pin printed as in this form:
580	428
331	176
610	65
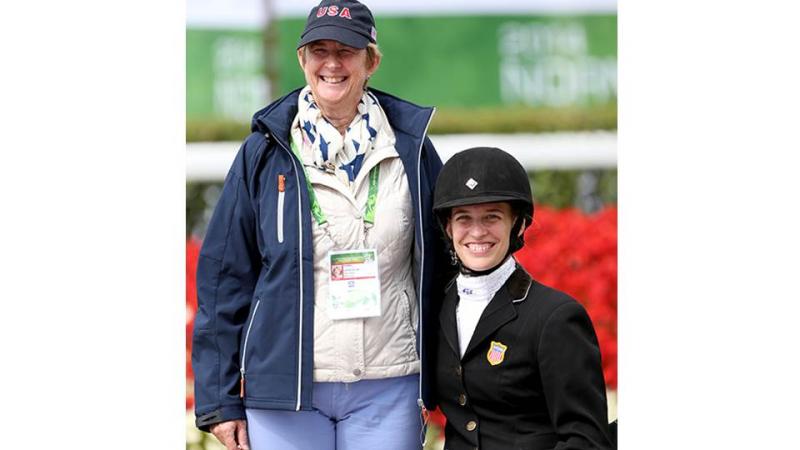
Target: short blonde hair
373	53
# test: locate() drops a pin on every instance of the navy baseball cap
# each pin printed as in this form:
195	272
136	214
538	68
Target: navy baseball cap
348	22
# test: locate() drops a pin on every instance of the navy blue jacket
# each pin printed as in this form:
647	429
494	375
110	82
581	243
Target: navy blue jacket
253	341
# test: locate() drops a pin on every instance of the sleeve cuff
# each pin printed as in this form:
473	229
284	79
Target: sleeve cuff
223	414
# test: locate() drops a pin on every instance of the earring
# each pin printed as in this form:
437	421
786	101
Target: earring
453	257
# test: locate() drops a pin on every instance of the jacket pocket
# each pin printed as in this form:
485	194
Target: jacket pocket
281	195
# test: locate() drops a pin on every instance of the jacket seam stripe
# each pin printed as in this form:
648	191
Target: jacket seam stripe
300	252
422	253
239	180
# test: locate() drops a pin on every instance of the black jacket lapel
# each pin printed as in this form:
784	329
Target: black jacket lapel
498	312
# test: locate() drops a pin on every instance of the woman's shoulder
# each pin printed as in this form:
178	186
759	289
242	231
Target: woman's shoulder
547	308
403	114
546	299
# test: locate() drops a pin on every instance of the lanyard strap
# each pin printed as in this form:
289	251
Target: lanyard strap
316	210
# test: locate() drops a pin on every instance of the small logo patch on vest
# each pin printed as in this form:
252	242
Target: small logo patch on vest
496	354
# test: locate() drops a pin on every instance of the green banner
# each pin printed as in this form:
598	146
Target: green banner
536	61
225	74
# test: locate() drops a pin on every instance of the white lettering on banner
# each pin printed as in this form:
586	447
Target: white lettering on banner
542	38
239	86
548	64
237	98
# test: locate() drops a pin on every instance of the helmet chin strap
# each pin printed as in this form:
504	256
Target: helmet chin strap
464	270
516	242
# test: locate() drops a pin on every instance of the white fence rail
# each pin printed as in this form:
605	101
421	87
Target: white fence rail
209	161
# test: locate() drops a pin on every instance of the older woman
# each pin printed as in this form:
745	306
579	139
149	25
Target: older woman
518	365
317	267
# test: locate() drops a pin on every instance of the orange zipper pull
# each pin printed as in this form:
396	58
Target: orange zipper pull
281	183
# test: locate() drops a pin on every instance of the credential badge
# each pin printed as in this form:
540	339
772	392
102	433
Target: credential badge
471	183
496	354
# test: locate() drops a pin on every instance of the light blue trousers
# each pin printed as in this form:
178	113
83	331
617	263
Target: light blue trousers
368	414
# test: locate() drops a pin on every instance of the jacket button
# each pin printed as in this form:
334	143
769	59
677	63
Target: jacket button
462	399
357	372
471	425
459	370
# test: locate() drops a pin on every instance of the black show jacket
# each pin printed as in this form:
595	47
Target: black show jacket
547	392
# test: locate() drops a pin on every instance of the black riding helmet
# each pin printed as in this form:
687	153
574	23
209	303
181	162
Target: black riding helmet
484	175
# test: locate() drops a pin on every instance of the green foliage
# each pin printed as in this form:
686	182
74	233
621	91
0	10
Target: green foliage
196	205
448	120
607	186
560	188
523	120
214	130
556	188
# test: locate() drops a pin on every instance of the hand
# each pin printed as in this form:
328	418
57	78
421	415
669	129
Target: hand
232	434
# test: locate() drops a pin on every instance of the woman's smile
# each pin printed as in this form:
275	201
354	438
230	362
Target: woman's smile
481	233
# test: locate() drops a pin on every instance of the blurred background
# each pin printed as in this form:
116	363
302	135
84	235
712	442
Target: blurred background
537	78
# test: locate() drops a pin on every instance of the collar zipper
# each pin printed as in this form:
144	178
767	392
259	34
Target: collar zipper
300	260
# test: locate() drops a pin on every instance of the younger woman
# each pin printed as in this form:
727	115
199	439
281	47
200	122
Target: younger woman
518	364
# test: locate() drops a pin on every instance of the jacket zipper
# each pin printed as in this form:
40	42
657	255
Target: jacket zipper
411	323
300	259
281	189
422	262
244	348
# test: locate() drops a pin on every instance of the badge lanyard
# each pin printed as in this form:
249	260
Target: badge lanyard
316	209
354	289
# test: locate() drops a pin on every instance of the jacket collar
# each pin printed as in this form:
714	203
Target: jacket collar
404	117
518	284
500	310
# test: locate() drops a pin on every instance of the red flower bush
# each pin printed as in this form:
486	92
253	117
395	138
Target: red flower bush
192	253
577	253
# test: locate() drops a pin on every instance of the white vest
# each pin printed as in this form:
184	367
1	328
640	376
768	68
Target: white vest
375	347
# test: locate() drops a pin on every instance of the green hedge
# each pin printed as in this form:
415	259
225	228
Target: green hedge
452	121
556	188
523	120
559	188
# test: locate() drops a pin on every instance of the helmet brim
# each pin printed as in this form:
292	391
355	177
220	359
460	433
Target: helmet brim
489	198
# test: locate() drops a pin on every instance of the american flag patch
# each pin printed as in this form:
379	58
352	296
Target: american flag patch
496	353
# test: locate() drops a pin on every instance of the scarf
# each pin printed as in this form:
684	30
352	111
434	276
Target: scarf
483	287
474	294
331	151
